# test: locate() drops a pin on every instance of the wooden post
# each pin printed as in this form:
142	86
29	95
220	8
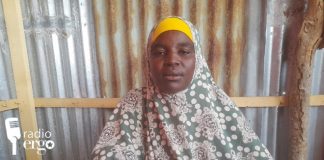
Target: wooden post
321	45
300	59
19	58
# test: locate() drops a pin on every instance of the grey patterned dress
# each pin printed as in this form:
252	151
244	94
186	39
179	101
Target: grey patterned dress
199	123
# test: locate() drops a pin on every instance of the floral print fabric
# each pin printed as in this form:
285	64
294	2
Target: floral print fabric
199	123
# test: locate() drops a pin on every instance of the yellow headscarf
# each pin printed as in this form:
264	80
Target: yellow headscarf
171	23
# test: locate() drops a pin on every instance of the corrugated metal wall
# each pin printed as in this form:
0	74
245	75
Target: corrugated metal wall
83	48
63	62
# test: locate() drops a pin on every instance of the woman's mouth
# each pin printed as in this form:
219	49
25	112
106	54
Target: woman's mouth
172	76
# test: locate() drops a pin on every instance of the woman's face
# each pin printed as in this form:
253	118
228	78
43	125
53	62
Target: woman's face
172	61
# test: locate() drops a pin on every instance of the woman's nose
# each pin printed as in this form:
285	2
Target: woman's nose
172	59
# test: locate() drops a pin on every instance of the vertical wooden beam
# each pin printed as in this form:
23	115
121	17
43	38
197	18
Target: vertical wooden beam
19	58
300	73
321	45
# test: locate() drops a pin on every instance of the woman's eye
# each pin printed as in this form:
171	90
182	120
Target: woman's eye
159	53
184	52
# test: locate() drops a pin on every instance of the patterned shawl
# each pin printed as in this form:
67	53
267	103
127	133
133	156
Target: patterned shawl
199	123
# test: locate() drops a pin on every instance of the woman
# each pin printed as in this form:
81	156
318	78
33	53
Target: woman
181	113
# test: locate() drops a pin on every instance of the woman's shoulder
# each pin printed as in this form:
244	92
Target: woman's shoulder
134	94
221	96
138	93
132	100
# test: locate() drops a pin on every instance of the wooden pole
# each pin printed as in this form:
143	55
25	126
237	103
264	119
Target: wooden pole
19	58
321	45
111	103
300	73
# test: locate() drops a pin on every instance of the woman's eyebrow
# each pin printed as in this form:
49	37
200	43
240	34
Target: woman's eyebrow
157	45
185	44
